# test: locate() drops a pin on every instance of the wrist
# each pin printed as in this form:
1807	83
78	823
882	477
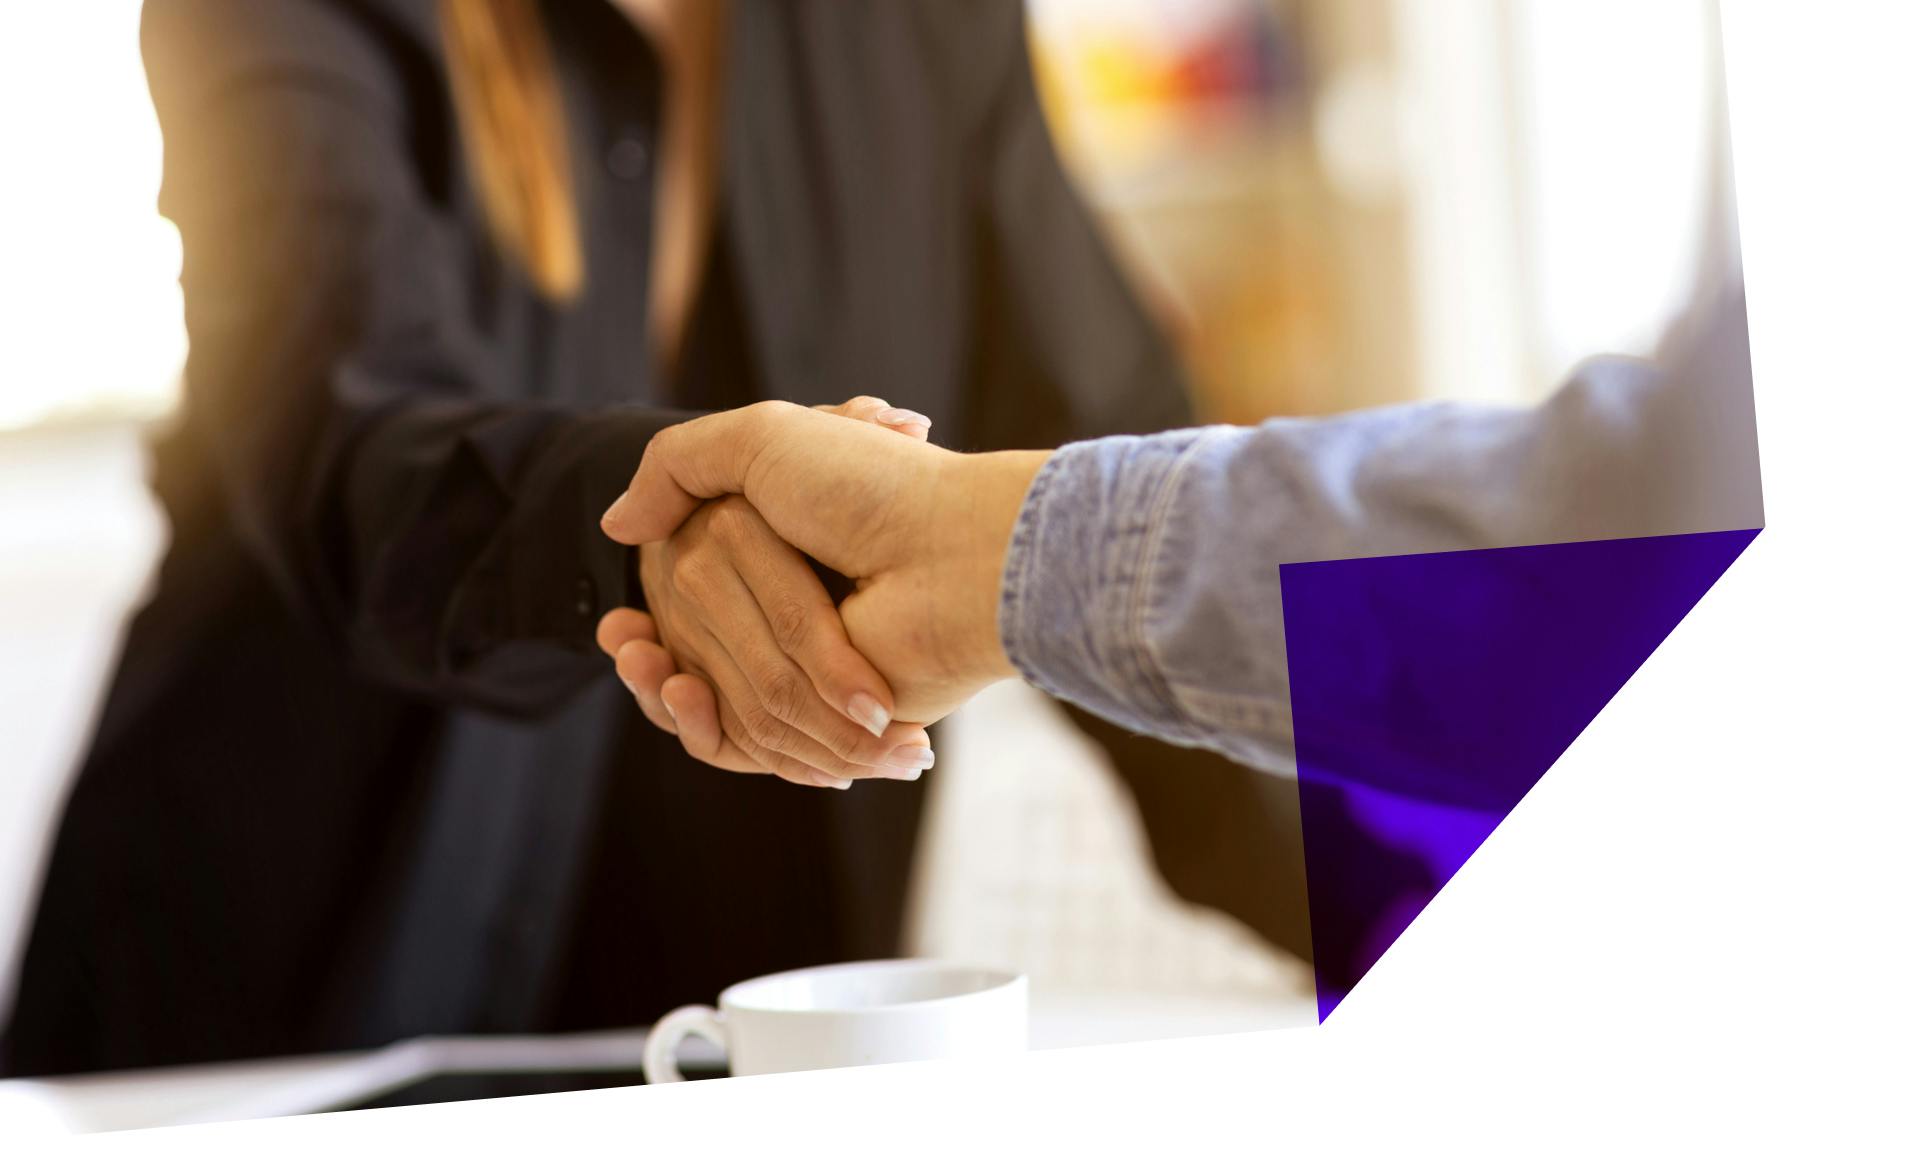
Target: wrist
990	488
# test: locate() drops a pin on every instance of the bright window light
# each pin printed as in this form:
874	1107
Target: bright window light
1615	144
90	314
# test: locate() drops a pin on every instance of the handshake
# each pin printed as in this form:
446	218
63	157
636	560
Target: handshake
743	654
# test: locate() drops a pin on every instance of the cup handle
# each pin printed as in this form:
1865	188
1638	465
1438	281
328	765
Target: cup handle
659	1061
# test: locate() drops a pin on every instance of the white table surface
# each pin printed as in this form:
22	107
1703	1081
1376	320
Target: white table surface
118	1101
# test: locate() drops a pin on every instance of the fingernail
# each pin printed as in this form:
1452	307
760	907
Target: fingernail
671	714
843	785
895	772
894	417
613	509
867	712
910	759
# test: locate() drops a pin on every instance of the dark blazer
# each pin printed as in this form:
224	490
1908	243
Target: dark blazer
361	774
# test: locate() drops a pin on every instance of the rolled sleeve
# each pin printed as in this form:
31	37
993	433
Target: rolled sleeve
1142	581
1077	595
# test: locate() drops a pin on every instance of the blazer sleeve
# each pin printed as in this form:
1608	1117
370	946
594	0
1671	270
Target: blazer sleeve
365	447
1066	350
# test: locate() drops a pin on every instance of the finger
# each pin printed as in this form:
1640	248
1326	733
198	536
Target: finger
912	431
799	630
778	747
644	667
741	735
689	699
621	627
703	737
873	410
775	746
780	703
689	463
820	481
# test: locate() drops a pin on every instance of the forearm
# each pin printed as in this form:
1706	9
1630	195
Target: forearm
1142	582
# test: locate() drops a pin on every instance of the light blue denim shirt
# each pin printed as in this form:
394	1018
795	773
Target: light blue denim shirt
1142	579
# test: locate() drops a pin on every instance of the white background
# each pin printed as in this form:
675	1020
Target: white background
1701	925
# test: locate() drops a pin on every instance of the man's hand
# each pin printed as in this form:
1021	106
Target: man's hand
734	605
922	531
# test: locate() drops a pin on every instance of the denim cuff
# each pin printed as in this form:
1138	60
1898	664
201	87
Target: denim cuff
1076	590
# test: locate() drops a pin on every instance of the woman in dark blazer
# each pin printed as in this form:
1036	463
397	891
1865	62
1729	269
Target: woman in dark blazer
361	773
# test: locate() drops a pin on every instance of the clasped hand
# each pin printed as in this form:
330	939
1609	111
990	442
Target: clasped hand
743	653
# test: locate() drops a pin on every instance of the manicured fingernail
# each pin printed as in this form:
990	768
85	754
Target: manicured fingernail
671	714
613	509
910	759
843	785
867	713
894	417
895	772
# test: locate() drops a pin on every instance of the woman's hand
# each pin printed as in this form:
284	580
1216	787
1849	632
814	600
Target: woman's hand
735	608
923	532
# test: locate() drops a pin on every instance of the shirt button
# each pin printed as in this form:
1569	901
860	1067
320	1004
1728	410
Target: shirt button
628	158
584	600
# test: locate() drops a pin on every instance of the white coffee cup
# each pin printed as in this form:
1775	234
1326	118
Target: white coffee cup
842	1015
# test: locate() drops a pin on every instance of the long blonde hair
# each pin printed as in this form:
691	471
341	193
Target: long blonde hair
514	126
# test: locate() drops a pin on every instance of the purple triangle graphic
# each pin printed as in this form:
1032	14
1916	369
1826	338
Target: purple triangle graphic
1431	692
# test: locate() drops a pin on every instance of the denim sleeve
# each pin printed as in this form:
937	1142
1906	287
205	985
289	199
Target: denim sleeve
1142	580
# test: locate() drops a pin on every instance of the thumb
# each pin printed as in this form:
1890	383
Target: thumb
687	465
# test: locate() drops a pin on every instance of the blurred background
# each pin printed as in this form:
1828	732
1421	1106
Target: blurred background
1332	203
